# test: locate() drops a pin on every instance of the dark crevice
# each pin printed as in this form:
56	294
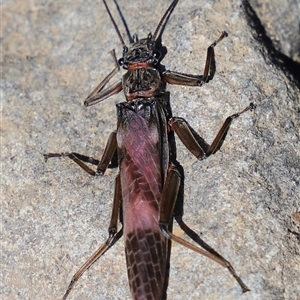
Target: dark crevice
290	67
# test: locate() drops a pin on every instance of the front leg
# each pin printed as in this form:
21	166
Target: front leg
195	144
100	93
173	77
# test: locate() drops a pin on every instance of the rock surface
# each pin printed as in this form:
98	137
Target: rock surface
243	201
281	22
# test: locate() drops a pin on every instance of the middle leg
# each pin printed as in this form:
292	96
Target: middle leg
195	144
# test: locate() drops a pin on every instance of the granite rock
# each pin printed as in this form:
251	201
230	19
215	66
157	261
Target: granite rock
243	201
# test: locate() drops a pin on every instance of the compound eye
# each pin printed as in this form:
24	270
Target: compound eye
151	45
123	64
156	55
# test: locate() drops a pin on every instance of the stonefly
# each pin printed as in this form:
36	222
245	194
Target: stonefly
148	186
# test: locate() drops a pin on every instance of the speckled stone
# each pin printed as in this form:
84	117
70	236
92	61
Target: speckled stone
241	200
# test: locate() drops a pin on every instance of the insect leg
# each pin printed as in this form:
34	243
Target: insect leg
98	94
114	236
103	94
195	144
168	200
173	77
102	165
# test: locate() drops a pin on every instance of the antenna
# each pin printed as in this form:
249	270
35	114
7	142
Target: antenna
124	22
115	25
164	19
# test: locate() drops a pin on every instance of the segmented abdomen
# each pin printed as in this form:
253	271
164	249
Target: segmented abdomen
141	181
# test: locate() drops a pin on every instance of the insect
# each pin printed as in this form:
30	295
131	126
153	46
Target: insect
149	180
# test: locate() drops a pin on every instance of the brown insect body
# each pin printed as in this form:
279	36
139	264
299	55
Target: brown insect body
139	141
147	186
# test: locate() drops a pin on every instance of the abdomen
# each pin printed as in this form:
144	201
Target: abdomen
141	180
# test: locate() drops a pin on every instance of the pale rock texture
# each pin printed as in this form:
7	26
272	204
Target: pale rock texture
243	201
